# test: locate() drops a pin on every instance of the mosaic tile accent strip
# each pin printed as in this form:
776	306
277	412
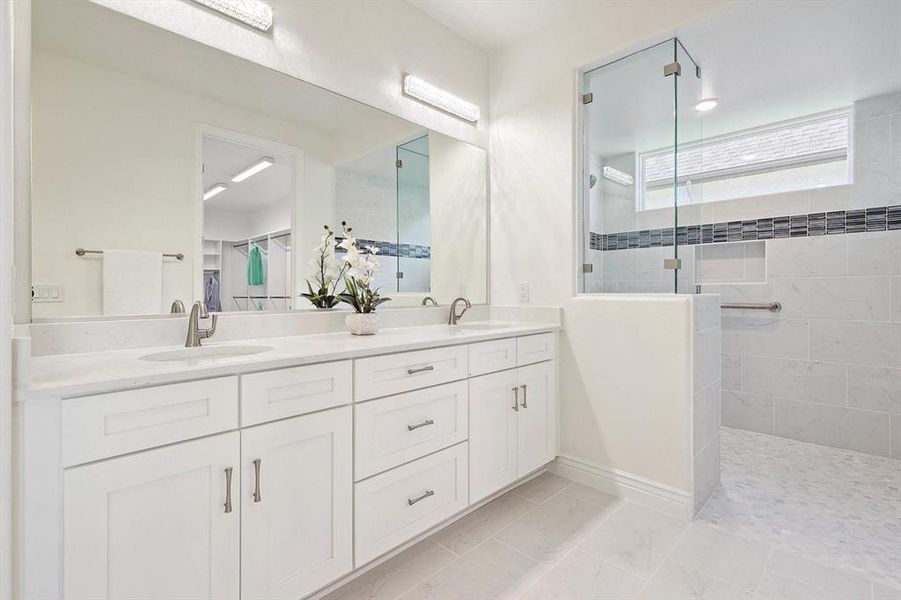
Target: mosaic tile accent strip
394	249
883	218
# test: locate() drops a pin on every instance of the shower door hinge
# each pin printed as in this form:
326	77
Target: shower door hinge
588	268
673	264
697	71
674	68
399	163
399	274
587	98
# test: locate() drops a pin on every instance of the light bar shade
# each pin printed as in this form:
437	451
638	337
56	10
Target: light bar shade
216	189
618	176
263	163
440	99
251	12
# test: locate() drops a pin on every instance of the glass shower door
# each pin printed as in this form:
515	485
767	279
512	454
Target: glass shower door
630	132
413	217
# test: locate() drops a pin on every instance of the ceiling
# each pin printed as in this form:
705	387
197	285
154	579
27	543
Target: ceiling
766	62
222	160
490	24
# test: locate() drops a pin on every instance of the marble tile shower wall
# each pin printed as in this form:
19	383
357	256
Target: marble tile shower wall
827	368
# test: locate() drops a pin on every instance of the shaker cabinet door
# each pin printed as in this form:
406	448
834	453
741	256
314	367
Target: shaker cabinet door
297	494
157	524
492	433
537	435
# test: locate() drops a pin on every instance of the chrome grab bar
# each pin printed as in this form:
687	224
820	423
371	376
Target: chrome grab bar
770	306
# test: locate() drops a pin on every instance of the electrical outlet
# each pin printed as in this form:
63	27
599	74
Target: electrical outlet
461	290
523	292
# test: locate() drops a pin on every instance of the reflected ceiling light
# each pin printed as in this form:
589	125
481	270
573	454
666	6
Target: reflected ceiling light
216	189
706	104
251	12
752	156
618	176
263	163
439	98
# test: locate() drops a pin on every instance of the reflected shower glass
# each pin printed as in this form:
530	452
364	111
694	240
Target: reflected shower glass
413	216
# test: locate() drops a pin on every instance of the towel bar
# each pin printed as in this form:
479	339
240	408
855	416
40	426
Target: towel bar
770	306
82	252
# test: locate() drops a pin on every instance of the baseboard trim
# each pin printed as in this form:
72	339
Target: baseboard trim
642	490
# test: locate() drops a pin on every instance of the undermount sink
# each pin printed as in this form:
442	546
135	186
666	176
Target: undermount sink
477	326
205	353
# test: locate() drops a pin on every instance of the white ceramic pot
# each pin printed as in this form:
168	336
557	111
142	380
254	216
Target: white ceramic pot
362	323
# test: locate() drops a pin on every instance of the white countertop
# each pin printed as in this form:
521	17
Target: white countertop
93	372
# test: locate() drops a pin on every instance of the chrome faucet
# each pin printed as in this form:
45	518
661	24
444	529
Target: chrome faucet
195	334
427	299
454	317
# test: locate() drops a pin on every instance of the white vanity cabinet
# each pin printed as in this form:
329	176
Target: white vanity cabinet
512	426
164	523
297	504
272	485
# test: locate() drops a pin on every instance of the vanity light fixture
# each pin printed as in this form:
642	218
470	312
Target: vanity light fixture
439	98
707	104
251	12
618	176
216	189
263	163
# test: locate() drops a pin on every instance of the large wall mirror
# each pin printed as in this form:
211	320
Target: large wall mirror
165	171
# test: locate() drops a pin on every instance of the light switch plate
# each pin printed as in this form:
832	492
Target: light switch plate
42	293
523	292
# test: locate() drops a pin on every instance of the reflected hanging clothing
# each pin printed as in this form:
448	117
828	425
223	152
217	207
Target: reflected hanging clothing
211	295
255	271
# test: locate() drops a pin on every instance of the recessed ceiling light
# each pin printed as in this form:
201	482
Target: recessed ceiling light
706	104
263	163
439	98
216	189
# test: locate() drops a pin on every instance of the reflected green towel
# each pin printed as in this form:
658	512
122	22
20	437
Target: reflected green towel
255	266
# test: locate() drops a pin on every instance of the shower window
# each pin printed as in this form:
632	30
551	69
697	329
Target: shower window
802	154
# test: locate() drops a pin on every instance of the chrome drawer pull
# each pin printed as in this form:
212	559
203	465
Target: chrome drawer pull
256	480
524	405
418	425
228	489
516	399
420	370
428	494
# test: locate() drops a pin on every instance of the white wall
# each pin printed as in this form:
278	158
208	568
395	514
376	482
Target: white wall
533	227
357	48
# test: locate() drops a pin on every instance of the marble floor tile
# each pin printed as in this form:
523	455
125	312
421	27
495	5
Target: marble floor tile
635	538
397	574
581	576
842	583
834	507
884	592
476	527
553	528
678	582
777	587
542	487
735	560
492	570
593	496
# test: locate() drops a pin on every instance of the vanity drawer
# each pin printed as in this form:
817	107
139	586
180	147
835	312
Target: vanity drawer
535	348
105	425
393	507
396	373
397	429
272	395
488	357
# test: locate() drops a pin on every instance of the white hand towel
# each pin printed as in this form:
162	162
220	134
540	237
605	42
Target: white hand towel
132	282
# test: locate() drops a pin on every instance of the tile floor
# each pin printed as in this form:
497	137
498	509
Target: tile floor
773	531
